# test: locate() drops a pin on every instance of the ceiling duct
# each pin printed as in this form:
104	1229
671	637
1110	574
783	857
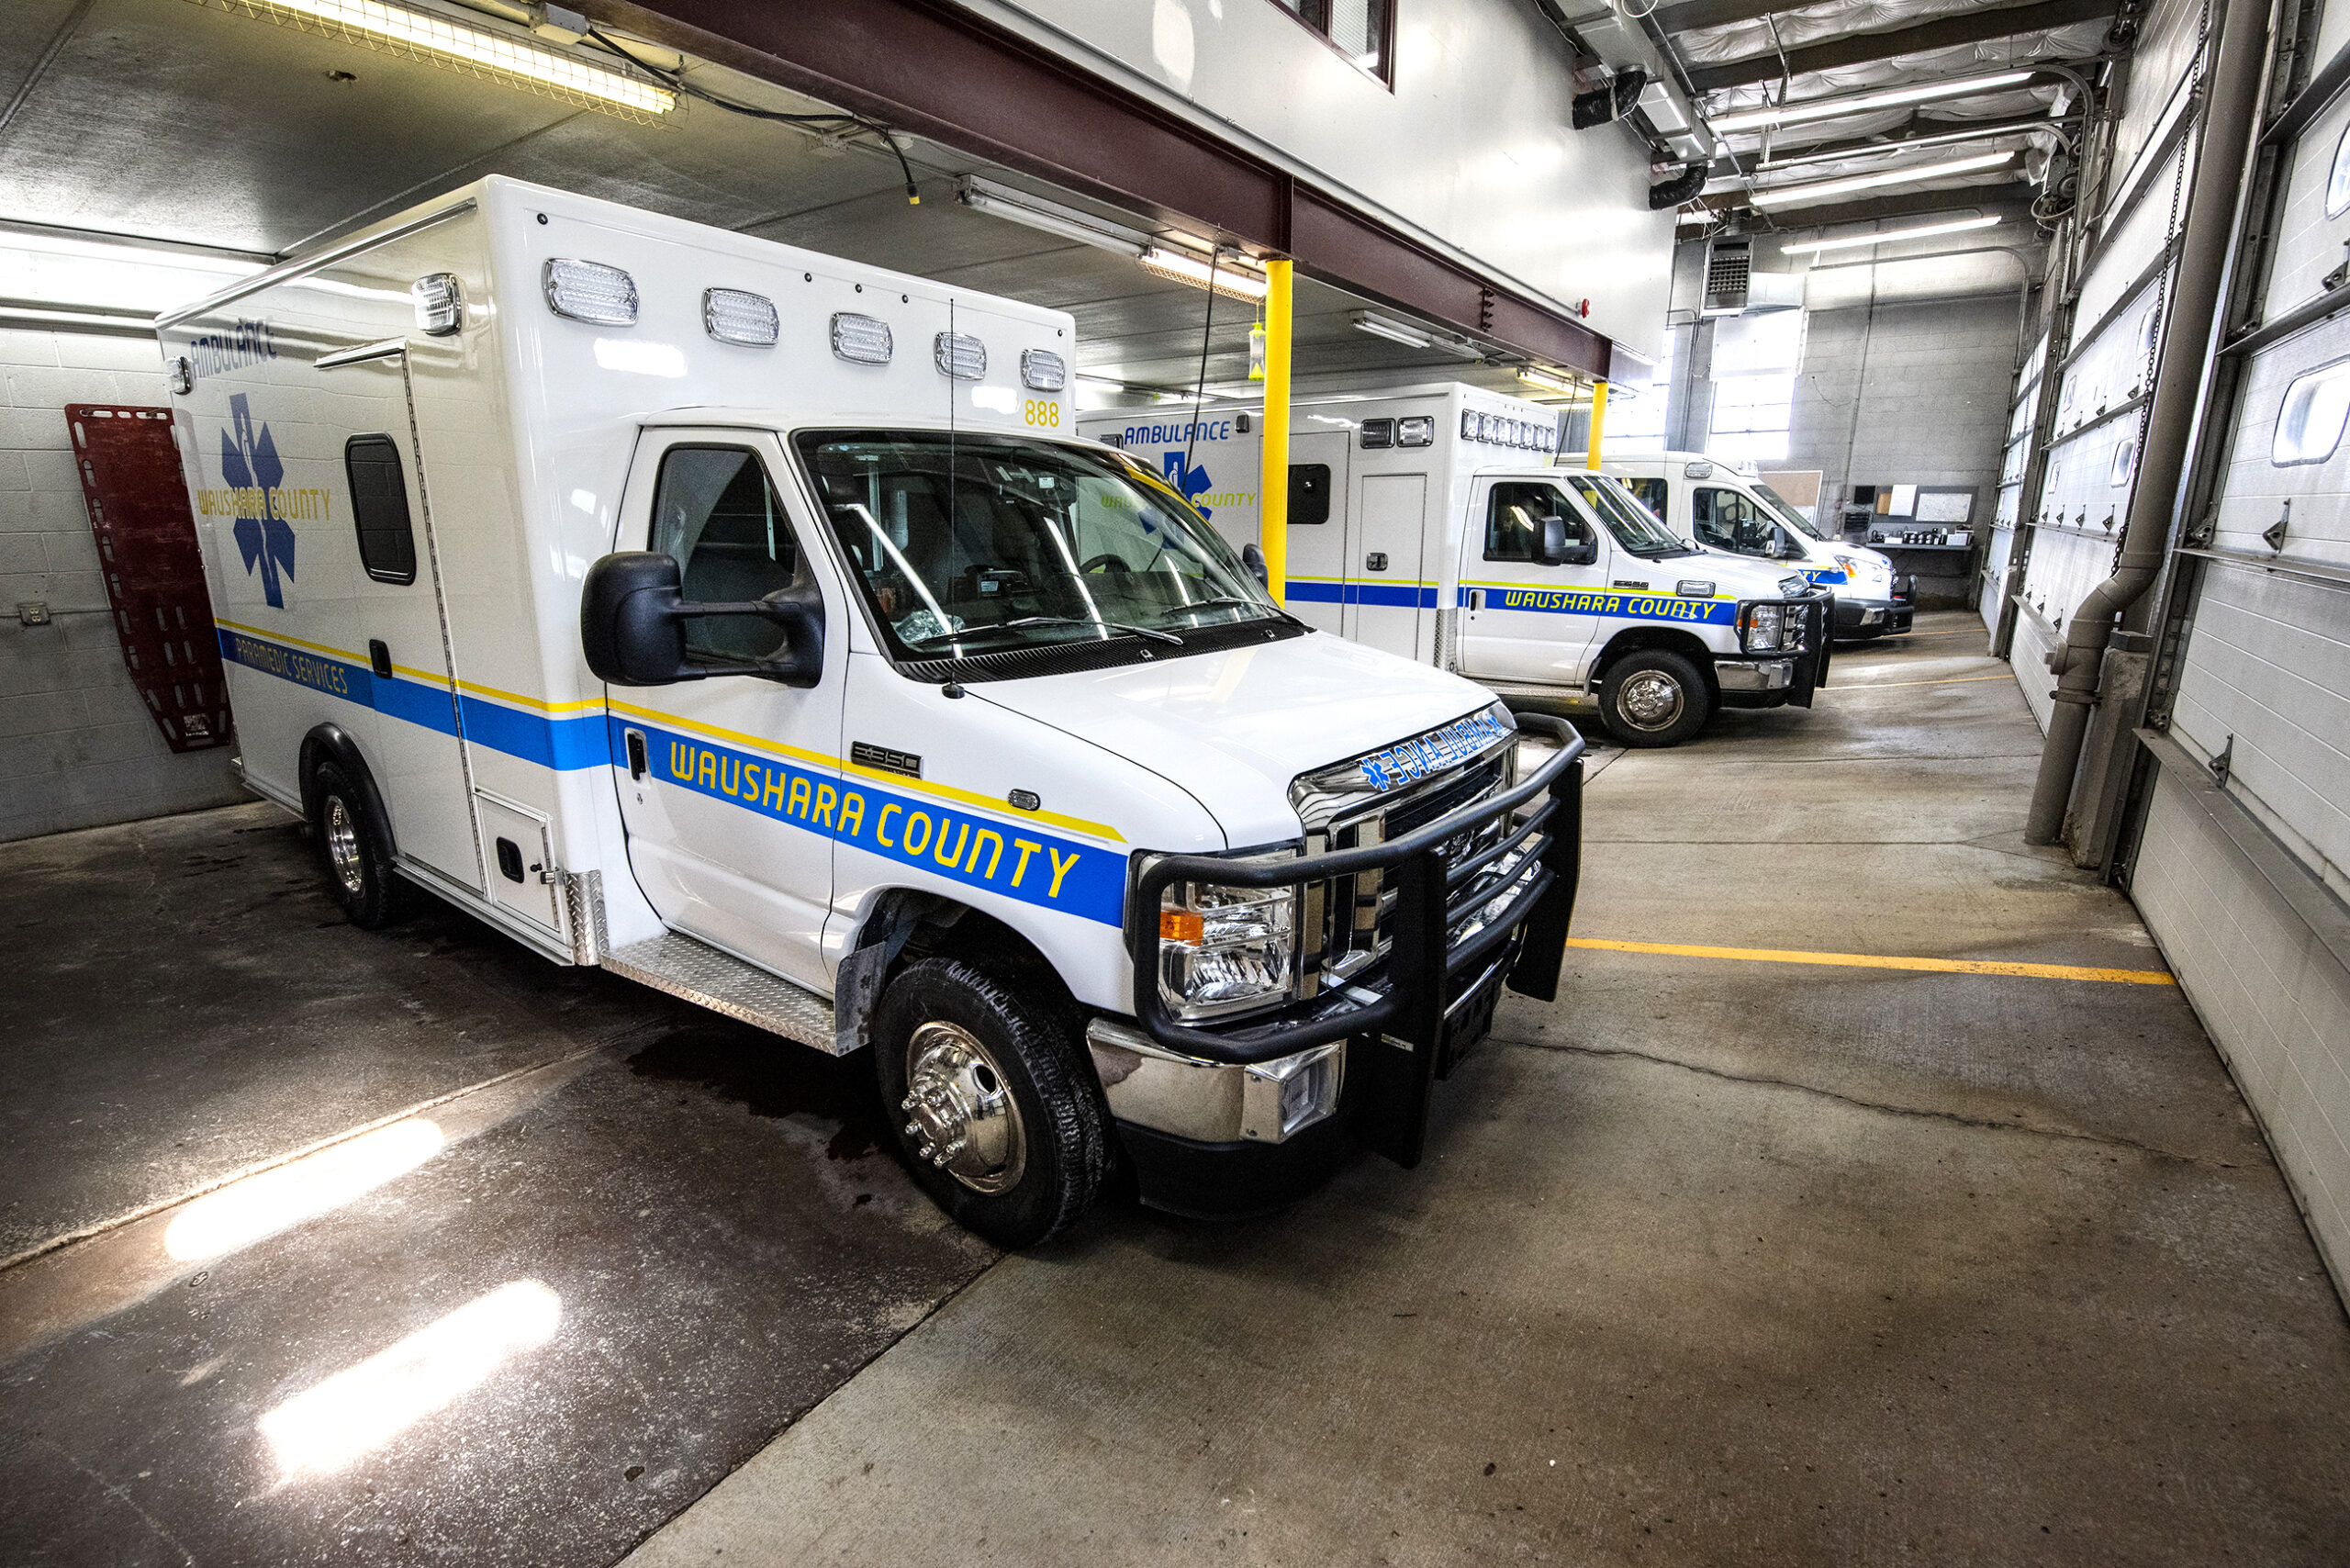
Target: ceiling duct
1611	100
1683	186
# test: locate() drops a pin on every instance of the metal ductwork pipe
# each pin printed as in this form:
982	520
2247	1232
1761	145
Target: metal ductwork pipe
2230	108
1680	188
1612	101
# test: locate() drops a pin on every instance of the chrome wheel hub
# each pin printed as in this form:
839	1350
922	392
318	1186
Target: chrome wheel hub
1650	700
964	1118
343	848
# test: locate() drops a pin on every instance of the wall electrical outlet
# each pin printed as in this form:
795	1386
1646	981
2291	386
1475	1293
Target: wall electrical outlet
32	613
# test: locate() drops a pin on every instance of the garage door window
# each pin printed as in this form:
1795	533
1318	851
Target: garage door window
2309	427
379	508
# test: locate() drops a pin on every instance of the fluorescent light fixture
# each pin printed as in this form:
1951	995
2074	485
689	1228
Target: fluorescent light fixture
1019	206
1923	230
1985	132
437	40
1548	381
1861	102
1413	337
1180	266
1882	178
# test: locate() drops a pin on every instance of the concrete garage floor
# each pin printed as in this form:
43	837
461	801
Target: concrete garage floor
1713	1261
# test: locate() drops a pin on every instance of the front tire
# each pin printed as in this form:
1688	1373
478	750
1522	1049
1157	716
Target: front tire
359	871
1654	697
990	1099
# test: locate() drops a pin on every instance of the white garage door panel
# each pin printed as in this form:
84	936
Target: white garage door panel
2256	488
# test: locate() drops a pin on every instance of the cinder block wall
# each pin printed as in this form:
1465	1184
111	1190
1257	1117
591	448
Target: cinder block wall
1929	382
77	749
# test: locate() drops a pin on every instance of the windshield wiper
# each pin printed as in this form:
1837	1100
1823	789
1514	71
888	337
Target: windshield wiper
1264	611
1050	621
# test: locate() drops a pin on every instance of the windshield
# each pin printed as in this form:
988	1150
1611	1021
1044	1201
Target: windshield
971	545
1788	513
1636	527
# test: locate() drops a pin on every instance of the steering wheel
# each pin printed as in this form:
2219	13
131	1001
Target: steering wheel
1107	562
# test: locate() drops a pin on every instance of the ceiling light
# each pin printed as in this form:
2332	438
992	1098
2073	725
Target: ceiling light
1837	154
1413	336
1548	381
1859	102
1880	179
1019	206
437	40
1850	241
1228	277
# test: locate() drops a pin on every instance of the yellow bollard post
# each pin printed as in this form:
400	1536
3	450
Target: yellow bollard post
1598	418
1272	510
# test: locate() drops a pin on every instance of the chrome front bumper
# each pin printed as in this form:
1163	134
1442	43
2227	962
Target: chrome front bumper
1754	675
1210	1102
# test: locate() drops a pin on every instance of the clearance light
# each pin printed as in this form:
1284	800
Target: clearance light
1229	277
590	292
440	304
1785	193
737	316
1041	370
326	1427
1923	230
960	355
861	340
437	40
1861	102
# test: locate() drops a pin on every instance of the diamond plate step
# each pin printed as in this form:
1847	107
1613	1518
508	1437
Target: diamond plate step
723	983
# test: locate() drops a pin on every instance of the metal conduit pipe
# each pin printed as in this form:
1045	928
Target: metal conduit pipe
2079	660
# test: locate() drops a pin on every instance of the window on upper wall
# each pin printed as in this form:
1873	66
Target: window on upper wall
1751	417
1363	30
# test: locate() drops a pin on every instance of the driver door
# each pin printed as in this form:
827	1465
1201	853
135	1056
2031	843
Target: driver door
728	785
1524	621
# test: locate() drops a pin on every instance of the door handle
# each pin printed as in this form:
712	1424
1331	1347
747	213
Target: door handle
1477	600
379	658
1375	561
636	764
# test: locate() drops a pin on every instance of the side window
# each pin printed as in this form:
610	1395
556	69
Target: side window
715	510
379	508
2316	407
1309	492
1728	520
1514	519
1650	492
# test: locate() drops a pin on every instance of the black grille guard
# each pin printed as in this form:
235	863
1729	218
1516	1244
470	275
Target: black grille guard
1402	999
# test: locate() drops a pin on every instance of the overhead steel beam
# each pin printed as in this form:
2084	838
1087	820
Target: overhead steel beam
937	71
1858	49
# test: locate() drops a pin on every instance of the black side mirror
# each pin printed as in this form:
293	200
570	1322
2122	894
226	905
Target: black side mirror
633	615
1254	559
1558	550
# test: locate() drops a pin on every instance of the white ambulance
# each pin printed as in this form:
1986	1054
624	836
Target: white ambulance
749	622
1429	521
1722	506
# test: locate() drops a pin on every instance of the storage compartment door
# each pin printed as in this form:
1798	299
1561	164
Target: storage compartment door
521	860
1389	597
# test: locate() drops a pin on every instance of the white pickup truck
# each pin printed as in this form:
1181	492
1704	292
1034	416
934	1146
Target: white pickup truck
745	621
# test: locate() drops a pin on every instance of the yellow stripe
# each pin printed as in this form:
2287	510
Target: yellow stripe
817	759
1879	961
893	780
1954	680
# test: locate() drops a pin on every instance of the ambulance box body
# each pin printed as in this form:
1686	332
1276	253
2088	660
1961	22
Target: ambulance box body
753	624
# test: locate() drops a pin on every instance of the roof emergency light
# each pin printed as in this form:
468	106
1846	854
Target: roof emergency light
738	316
440	304
590	292
960	355
1042	370
861	340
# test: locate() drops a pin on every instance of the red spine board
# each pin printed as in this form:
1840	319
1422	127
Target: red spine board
162	612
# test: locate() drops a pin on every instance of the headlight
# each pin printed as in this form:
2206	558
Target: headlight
1763	628
1223	949
1854	568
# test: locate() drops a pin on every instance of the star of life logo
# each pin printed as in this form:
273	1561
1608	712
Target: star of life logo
253	471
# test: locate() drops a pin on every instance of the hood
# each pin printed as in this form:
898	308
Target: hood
1234	728
1741	576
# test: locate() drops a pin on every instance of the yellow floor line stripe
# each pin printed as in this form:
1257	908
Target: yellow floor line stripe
1879	961
1953	680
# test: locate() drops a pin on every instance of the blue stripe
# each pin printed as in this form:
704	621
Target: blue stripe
1403	595
561	744
1004	855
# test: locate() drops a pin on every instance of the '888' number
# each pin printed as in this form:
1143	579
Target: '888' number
1042	411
